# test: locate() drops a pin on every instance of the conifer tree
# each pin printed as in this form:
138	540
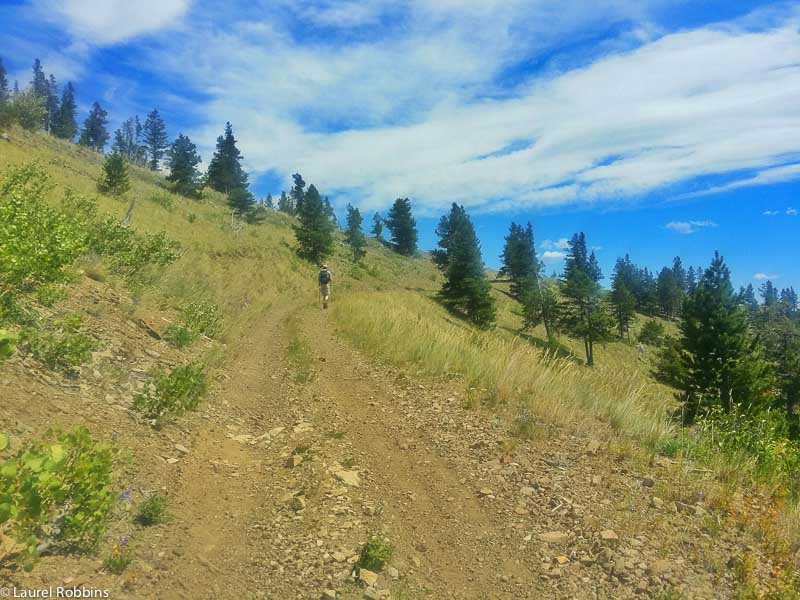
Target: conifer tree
242	201
353	235
722	363
94	134
691	280
269	202
622	299
584	315
747	298
127	142
679	273
182	161
401	223
4	94
52	104
519	261
466	287
377	227
540	305
284	204
315	231
769	293
115	175
65	126
296	194
39	81
669	292
155	139
225	171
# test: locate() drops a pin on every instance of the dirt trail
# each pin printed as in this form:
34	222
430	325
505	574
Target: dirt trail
307	448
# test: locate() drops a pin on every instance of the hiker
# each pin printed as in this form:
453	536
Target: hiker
325	277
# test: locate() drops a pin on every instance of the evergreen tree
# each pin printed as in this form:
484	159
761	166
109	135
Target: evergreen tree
155	139
285	204
268	202
331	213
679	273
4	95
353	235
788	302
466	287
584	315
182	160
296	194
403	227
242	201
65	126
39	85
669	292
722	363
747	298
94	134
520	263
691	280
315	231
769	293
127	142
622	300
540	305
225	171
52	104
115	175
377	227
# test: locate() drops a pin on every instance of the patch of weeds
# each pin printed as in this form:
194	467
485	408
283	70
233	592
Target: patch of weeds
56	492
203	318
61	347
375	553
50	294
712	524
119	559
336	435
349	463
163	200
179	335
299	354
152	511
670	447
524	425
191	217
8	344
172	394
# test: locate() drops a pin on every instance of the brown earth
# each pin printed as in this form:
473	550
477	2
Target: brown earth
471	511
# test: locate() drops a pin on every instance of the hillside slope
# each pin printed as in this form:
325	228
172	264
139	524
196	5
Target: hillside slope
322	430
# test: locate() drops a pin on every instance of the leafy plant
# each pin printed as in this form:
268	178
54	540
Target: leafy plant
172	393
152	511
57	491
7	345
119	559
652	332
375	553
179	335
203	318
50	294
61	347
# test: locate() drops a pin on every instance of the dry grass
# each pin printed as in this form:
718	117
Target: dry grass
411	330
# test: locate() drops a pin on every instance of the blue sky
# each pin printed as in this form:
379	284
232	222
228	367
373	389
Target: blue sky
658	127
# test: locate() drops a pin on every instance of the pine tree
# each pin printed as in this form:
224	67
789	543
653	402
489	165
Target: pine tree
722	363
584	315
519	261
540	305
127	142
331	213
39	81
353	235
403	227
679	273
52	104
284	204
296	194
115	175
65	125
269	202
466	287
669	292
94	134
788	302
315	231
622	299
225	171
4	94
242	201
377	227
155	139
747	298
182	161
769	293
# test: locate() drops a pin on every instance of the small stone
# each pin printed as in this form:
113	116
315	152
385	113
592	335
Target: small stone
275	431
527	491
586	560
350	478
553	537
609	536
371	594
298	503
328	595
181	448
172	461
521	510
596	480
659	568
592	447
295	460
683	508
339	557
483	492
393	573
656	502
416	561
648	482
561	560
367	577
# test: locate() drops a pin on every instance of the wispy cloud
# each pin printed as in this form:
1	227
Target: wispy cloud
559	244
553	256
771	213
687	227
765	276
792	212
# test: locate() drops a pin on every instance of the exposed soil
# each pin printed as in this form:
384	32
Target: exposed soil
292	466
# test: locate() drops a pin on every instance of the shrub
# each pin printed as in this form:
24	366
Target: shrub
164	200
179	336
152	511
27	109
62	347
50	294
652	332
375	554
57	491
203	318
7	344
172	393
119	559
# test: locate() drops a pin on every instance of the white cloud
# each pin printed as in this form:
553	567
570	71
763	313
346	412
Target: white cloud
553	256
687	227
765	276
110	21
559	244
792	212
771	213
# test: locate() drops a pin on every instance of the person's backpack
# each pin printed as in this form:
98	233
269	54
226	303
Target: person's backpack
324	277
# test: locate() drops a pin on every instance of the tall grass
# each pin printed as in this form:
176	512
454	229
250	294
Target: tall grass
409	329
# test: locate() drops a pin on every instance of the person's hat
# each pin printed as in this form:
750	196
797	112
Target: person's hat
324	266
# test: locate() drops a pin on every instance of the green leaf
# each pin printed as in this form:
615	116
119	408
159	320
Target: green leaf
57	453
4	441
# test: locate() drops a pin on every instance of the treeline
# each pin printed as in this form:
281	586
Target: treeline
42	106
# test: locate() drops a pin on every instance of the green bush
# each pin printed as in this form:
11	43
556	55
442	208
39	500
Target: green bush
172	393
375	554
50	294
57	491
179	336
652	332
7	344
152	511
115	176
203	318
61	346
164	200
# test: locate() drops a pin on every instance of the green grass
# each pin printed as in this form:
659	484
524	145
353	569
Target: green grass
153	511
